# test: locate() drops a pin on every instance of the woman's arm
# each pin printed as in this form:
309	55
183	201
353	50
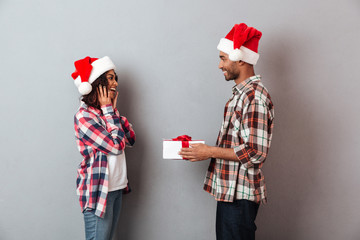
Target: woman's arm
109	139
128	130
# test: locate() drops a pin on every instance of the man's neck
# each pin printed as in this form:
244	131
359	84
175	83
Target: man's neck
245	74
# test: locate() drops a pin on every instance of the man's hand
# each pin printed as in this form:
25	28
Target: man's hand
196	152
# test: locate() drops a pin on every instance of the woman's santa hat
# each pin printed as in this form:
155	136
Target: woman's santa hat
87	70
241	43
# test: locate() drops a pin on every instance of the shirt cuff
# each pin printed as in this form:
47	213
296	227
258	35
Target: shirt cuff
117	112
242	154
107	109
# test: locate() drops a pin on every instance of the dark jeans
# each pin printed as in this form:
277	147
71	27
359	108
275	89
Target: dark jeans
236	220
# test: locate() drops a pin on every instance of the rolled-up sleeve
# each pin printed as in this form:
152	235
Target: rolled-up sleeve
254	137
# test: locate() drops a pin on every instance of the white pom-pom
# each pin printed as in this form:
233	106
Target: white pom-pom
235	55
85	88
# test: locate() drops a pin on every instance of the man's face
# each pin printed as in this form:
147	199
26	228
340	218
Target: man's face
112	81
230	69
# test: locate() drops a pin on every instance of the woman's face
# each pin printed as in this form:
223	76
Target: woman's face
112	83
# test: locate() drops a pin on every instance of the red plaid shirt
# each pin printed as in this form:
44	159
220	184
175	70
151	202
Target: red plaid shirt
247	128
98	133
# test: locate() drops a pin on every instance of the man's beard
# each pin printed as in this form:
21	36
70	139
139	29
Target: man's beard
231	76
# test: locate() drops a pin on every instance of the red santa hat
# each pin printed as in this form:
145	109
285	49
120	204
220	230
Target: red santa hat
87	70
241	43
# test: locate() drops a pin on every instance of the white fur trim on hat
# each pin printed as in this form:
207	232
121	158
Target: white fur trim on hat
247	55
235	55
84	88
100	66
225	45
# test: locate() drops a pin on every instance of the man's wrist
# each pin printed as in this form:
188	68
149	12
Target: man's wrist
212	152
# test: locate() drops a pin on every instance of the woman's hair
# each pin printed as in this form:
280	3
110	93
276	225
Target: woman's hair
91	99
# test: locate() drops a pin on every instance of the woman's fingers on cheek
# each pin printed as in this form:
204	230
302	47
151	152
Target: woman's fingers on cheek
105	91
100	90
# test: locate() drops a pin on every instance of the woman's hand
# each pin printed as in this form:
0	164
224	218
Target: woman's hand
103	95
115	100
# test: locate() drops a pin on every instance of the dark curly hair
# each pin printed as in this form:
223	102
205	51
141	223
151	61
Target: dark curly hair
91	99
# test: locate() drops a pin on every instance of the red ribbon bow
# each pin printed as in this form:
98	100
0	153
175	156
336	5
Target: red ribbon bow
184	140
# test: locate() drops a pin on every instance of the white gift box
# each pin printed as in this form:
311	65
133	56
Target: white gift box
172	148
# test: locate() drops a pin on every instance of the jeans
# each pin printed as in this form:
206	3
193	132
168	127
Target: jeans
97	228
236	220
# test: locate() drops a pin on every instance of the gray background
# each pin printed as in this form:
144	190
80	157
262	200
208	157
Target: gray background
166	57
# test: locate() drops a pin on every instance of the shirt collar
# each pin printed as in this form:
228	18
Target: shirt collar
237	89
84	105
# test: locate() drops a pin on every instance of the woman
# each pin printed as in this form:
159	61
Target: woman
101	136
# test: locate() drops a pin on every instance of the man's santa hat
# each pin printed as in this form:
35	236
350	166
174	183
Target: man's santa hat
241	43
87	70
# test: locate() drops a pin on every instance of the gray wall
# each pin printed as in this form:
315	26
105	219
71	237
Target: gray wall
166	50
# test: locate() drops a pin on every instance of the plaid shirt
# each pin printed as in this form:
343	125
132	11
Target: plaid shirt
98	133
247	128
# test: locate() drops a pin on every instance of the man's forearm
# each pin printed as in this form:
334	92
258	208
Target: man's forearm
223	153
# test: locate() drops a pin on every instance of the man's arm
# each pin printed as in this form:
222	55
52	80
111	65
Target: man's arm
199	152
254	136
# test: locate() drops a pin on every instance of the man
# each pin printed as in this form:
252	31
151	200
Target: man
234	176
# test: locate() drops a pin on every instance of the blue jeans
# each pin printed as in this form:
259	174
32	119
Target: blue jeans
97	228
236	220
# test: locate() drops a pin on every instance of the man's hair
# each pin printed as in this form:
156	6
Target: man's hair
91	99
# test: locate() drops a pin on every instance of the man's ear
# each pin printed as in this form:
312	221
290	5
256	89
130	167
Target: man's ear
241	63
